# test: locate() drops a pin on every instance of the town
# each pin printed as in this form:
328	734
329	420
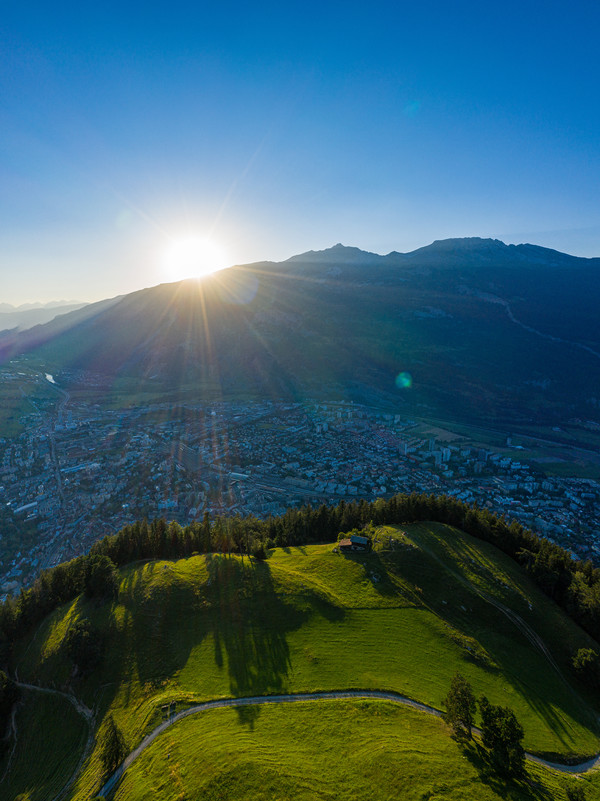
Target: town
78	472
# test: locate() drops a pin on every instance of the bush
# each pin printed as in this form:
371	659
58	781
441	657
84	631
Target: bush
258	551
587	666
113	746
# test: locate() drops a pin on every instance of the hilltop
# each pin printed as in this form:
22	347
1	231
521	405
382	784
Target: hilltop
428	601
487	331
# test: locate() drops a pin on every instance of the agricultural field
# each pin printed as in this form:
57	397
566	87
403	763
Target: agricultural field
429	601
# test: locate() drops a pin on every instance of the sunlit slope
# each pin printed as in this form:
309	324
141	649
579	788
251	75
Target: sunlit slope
404	619
336	751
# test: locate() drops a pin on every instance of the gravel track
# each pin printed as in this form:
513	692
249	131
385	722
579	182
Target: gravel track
298	697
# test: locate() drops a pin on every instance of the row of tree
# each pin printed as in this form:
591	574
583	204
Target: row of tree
501	732
572	584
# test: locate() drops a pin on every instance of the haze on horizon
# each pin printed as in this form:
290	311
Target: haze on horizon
274	130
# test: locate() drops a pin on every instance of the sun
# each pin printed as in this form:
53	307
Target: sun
193	257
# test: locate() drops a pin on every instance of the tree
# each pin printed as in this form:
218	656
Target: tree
460	706
113	746
576	793
587	665
83	644
101	579
502	734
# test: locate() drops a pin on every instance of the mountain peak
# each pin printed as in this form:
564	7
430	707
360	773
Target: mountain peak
337	253
466	243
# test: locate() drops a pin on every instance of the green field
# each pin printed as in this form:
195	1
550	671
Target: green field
325	750
404	619
51	736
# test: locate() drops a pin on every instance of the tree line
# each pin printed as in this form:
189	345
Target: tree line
574	585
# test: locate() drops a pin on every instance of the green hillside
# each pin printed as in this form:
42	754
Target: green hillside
404	618
325	750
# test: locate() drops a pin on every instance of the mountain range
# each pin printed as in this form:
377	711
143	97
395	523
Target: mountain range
27	315
476	328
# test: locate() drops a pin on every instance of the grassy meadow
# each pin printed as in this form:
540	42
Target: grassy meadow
51	736
404	618
337	750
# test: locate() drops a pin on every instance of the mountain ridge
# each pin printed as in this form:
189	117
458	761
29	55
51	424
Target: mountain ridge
450	246
487	330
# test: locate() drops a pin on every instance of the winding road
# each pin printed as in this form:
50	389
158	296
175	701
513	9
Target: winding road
298	697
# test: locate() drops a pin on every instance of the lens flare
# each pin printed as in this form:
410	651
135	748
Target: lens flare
404	380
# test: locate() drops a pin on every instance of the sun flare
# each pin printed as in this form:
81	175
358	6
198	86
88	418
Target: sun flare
193	257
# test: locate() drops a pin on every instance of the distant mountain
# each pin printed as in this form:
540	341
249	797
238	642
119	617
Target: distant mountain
465	252
30	314
487	331
51	319
51	304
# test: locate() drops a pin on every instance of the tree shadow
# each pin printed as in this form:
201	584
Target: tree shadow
470	614
250	631
376	570
522	788
164	616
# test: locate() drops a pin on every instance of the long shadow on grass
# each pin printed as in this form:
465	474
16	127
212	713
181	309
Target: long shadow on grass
523	665
376	571
512	789
251	628
166	616
160	628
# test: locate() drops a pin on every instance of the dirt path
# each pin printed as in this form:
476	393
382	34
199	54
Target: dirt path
14	732
514	618
299	697
82	709
79	706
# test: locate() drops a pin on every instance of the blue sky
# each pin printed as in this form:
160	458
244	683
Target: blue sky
281	127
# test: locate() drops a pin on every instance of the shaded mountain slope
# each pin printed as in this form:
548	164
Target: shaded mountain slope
486	330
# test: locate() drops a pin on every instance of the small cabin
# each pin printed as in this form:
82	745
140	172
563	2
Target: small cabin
355	543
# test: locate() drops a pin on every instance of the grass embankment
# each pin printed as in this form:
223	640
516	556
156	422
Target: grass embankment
51	737
338	750
404	619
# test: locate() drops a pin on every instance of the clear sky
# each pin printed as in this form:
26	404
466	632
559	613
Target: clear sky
277	127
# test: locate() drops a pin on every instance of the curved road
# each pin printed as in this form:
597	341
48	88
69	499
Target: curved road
286	699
